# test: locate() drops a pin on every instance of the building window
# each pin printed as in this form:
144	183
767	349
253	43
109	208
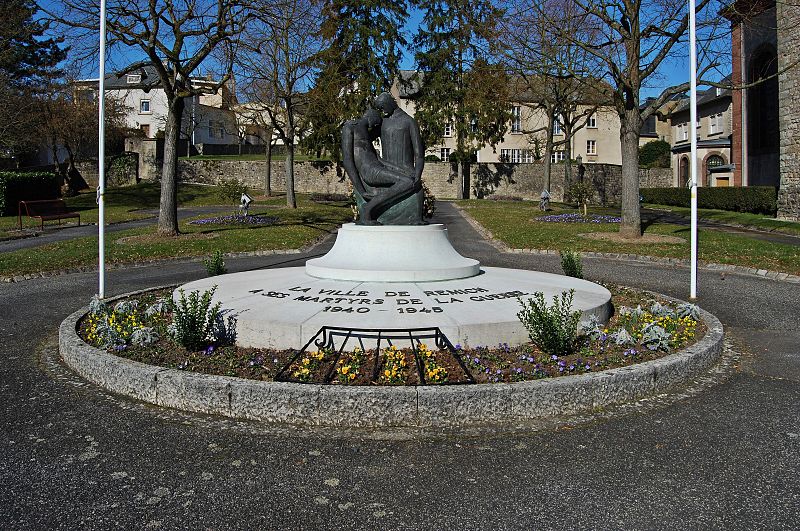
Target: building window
145	130
448	130
444	154
591	147
527	155
216	129
591	121
557	156
134	78
714	161
556	127
144	106
516	155
683	131
716	124
516	119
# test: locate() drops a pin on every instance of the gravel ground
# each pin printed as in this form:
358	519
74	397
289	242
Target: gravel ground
721	455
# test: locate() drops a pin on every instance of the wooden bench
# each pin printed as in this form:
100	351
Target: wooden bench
46	210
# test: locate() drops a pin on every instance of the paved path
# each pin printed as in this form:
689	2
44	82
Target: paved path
58	233
75	457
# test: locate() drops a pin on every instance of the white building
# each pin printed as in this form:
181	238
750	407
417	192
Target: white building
207	118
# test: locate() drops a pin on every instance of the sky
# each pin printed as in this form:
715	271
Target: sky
674	72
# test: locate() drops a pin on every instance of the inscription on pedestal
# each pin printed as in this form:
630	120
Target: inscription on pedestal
402	302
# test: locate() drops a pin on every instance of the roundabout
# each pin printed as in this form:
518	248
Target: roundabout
76	455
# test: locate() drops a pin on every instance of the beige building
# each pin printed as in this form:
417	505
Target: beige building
713	130
207	118
597	141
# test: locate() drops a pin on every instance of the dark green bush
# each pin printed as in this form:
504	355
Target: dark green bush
752	199
26	186
655	154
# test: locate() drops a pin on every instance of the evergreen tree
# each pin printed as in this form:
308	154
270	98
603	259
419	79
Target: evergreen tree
27	63
25	57
458	85
361	59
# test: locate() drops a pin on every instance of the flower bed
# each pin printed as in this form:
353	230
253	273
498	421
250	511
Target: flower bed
143	328
236	219
572	217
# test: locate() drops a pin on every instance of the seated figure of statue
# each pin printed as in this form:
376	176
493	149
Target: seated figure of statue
385	182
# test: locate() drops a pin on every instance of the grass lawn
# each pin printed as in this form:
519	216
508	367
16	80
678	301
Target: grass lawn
513	223
291	229
756	221
124	203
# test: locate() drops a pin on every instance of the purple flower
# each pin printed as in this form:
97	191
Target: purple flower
554	357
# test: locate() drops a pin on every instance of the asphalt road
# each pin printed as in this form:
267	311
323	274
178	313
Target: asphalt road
721	454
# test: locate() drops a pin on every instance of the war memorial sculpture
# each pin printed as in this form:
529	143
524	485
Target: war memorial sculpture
389	270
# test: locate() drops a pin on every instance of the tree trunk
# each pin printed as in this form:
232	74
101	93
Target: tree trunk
168	207
548	161
291	201
631	226
268	176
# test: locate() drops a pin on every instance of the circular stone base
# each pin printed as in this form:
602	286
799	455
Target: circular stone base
392	253
284	308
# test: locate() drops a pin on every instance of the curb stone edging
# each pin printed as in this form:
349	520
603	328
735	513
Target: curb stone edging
385	407
709	266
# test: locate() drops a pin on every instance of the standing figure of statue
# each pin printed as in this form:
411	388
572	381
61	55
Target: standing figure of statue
388	188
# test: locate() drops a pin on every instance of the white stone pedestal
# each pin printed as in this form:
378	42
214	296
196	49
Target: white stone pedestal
392	253
284	308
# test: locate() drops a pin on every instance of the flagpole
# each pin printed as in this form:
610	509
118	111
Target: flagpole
693	144
101	160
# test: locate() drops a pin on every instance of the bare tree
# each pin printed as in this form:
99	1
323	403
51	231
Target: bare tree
176	37
278	61
551	76
629	42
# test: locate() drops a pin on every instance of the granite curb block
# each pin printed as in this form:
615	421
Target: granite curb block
709	266
386	407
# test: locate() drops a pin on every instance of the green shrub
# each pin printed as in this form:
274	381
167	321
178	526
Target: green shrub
752	199
554	329
195	319
432	158
231	190
428	202
655	154
581	193
215	265
571	264
26	186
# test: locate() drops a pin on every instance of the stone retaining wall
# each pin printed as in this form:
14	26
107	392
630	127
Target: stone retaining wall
486	179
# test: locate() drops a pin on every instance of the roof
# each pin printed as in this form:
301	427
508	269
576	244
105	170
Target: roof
712	143
705	97
148	78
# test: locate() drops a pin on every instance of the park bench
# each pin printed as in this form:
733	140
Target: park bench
45	210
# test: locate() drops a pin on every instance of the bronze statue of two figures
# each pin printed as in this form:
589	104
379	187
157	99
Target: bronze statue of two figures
388	188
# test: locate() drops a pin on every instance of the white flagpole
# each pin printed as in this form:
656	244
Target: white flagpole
101	159
693	137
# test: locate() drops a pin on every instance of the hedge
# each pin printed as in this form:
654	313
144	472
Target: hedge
26	186
752	199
